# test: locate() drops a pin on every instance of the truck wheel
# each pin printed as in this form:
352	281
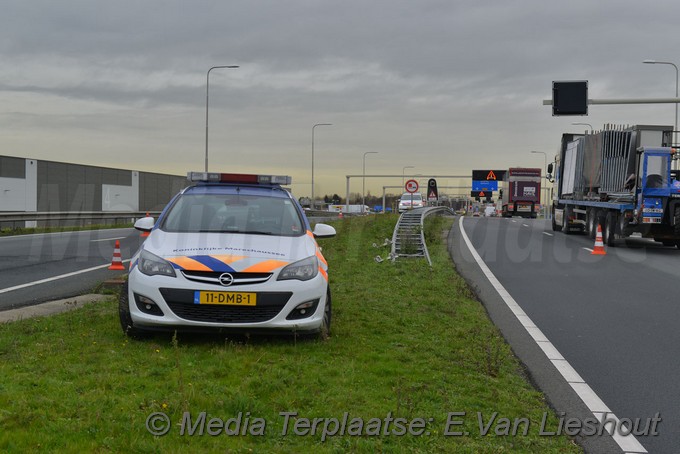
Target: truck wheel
553	223
609	233
676	221
591	223
565	220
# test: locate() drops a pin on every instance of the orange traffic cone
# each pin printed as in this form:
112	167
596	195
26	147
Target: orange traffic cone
144	233
117	261
599	245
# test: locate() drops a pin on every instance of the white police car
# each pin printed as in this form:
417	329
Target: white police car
231	252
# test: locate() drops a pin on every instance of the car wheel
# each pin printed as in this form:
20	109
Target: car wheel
325	330
125	318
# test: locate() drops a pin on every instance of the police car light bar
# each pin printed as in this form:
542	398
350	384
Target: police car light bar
212	177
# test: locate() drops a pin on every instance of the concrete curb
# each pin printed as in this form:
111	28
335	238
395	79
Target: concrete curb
51	307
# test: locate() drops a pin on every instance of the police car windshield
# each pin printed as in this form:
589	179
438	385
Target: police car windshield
234	213
408	195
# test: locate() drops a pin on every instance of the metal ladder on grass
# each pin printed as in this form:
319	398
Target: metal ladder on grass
408	239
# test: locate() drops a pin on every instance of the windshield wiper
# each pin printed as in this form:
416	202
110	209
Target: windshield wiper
257	232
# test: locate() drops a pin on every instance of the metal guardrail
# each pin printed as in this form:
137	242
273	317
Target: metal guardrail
49	217
408	239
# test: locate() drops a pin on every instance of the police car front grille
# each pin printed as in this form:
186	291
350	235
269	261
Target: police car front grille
212	277
269	304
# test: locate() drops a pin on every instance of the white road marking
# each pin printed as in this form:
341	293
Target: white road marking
109	239
548	234
587	249
70	232
599	409
54	278
525	225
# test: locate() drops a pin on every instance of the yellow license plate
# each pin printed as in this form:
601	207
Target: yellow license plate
226	298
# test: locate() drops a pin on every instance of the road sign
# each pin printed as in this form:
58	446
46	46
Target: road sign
570	98
432	193
481	194
488	175
411	186
484	185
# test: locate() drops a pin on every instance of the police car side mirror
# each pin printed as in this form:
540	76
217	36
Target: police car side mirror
323	231
145	224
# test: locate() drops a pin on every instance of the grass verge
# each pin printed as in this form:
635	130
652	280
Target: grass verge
408	341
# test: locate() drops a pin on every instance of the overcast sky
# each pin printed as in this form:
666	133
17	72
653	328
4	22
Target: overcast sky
445	86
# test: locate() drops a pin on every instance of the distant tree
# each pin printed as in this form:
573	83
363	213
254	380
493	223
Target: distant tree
332	199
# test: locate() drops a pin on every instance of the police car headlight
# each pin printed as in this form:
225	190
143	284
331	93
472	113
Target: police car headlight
302	270
152	265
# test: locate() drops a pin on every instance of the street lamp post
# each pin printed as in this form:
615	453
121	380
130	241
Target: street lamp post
545	165
207	91
363	182
402	174
585	124
318	124
675	125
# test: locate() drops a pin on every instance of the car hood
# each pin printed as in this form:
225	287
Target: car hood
230	252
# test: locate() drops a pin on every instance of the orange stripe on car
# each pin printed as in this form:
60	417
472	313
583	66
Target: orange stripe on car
265	266
323	273
228	259
321	257
188	264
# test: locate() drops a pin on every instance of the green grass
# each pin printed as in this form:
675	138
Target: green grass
407	339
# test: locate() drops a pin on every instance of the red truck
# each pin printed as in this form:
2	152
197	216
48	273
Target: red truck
521	192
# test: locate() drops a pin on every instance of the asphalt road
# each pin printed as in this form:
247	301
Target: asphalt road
613	317
44	267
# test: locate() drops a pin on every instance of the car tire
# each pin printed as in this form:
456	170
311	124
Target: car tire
126	323
325	330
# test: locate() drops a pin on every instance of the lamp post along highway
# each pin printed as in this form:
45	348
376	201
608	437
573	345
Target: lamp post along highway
363	183
207	91
318	124
402	175
585	124
654	62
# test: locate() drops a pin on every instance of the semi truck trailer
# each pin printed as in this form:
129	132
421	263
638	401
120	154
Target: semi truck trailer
521	192
621	179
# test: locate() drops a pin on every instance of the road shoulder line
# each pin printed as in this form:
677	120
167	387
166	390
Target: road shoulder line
554	381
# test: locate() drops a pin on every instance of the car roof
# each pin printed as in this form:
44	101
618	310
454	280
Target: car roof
234	188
